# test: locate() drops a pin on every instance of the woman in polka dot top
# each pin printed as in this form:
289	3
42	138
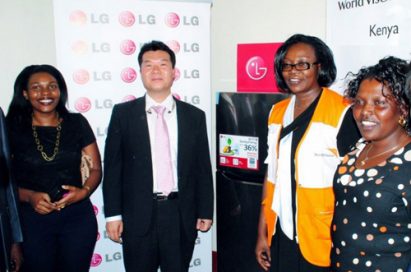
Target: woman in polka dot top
371	229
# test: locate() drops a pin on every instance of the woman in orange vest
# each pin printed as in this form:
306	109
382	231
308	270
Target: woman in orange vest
308	134
371	229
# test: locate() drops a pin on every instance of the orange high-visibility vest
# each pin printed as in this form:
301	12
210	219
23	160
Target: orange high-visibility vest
316	160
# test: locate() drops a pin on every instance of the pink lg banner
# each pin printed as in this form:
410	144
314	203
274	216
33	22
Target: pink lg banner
97	44
255	69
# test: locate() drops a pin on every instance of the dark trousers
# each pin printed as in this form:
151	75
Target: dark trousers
164	246
60	241
286	255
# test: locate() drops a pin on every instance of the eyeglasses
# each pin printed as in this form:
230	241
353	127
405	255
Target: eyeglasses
300	66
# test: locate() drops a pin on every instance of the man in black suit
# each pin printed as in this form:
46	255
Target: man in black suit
156	227
10	231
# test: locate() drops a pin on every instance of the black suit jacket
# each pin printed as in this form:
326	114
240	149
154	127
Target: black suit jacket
128	176
10	230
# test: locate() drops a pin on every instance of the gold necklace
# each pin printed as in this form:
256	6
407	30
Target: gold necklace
40	147
364	161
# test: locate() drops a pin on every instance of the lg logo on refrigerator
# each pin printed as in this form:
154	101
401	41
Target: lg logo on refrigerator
256	68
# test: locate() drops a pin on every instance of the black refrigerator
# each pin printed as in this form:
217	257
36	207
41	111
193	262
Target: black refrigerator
241	127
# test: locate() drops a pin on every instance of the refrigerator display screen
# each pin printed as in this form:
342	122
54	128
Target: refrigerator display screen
238	151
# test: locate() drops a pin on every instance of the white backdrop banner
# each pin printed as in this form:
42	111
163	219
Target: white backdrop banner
360	32
97	44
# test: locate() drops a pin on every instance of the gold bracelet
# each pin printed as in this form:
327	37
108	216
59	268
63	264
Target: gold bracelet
87	188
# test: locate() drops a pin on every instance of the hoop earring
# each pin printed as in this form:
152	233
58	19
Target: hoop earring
402	121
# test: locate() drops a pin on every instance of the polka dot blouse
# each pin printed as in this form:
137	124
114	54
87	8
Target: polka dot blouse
371	229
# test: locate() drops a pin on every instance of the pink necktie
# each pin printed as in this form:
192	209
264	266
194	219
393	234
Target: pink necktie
164	170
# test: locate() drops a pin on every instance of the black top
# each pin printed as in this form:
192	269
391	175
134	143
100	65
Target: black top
371	229
31	171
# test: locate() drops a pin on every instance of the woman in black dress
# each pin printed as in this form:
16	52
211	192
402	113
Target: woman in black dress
58	221
371	228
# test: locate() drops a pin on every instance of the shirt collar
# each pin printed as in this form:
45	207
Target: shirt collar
169	103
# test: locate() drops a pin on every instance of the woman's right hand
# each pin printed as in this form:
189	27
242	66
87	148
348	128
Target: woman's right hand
262	252
41	202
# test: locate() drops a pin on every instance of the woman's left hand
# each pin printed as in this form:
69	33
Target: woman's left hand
73	195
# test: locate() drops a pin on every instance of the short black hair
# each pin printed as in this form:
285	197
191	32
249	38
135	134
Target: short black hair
323	53
392	73
154	46
20	108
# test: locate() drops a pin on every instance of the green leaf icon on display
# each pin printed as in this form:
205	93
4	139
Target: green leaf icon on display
229	141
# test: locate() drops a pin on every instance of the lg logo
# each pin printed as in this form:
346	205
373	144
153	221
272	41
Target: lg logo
172	20
256	68
194	47
193	20
82	104
191	74
79	47
128	47
100	47
99	18
128	75
96	260
101	132
187	74
126	18
187	47
81	76
103	104
195	262
116	256
146	20
78	18
194	100
174	45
